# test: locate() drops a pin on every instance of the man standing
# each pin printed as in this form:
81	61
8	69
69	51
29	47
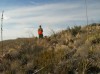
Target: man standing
40	32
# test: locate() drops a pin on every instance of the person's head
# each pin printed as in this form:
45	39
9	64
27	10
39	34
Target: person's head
40	26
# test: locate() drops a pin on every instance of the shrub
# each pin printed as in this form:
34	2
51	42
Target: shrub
75	30
94	39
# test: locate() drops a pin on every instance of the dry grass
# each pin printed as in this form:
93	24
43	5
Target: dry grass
70	51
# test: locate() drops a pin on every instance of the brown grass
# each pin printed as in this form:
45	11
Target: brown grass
71	50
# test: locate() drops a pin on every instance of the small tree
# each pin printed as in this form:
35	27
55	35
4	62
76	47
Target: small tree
75	30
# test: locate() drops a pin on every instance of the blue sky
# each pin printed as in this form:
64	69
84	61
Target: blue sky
22	17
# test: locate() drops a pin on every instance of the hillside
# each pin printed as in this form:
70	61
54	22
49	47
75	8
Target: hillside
72	51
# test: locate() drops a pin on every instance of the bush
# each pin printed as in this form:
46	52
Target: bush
94	39
75	30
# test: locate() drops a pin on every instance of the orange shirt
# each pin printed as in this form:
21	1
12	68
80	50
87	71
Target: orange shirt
40	31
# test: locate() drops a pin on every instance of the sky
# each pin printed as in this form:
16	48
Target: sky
23	17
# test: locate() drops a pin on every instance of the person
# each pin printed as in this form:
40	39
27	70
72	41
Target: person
40	32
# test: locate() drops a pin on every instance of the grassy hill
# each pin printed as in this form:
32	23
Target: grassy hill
72	51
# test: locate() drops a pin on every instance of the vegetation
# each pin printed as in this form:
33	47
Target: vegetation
72	51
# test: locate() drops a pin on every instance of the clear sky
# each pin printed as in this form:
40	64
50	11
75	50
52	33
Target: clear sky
22	17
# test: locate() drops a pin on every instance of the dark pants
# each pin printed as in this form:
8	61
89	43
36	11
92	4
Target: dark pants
40	36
